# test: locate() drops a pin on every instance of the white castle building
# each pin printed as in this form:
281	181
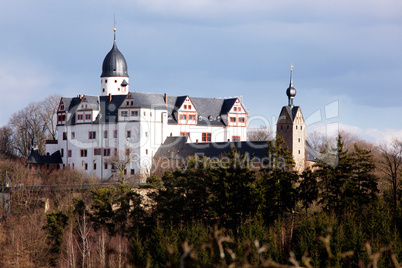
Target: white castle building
91	130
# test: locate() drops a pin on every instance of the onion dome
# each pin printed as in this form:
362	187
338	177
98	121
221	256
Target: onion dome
114	64
291	91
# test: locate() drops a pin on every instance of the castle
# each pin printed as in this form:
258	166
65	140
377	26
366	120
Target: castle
94	130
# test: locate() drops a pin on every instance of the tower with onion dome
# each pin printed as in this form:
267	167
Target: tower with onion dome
291	127
114	77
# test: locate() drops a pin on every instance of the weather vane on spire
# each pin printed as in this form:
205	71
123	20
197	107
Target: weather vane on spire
291	67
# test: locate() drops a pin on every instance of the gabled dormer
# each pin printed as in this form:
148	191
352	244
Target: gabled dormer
87	110
233	113
129	110
185	112
61	113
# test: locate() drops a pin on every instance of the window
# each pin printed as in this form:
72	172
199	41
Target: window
105	165
235	138
72	135
106	152
64	136
299	139
299	151
69	153
288	127
181	116
87	117
92	135
105	80
238	109
132	171
146	134
86	166
132	102
235	109
233	119
115	81
115	134
128	135
145	113
146	151
105	134
189	107
83	152
115	151
241	119
80	117
134	113
123	113
301	127
125	171
185	106
184	117
128	151
94	166
185	134
103	90
62	152
97	151
206	137
128	103
296	127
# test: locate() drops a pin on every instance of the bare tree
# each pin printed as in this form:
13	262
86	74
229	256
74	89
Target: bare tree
120	162
6	141
260	134
38	120
83	230
391	166
48	112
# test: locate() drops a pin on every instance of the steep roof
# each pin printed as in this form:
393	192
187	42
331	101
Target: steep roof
209	110
174	147
291	111
35	158
114	64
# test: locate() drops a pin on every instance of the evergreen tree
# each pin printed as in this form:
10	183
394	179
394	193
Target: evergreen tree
278	183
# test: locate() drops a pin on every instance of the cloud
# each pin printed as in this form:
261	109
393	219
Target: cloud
21	82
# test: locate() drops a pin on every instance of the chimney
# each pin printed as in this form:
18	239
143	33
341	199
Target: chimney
110	97
165	97
80	96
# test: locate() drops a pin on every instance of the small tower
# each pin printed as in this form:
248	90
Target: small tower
114	77
291	127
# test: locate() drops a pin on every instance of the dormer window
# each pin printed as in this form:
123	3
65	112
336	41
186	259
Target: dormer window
235	109
185	106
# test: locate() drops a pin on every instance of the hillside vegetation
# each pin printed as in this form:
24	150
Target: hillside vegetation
343	212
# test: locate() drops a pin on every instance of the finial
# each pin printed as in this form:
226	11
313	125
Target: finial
291	91
114	27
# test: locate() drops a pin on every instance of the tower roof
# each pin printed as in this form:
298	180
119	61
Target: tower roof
114	64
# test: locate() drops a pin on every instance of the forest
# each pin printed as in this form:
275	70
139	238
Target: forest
214	213
343	211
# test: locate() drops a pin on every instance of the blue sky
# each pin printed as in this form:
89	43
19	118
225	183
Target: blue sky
346	54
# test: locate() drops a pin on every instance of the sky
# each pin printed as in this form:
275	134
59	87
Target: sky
347	55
